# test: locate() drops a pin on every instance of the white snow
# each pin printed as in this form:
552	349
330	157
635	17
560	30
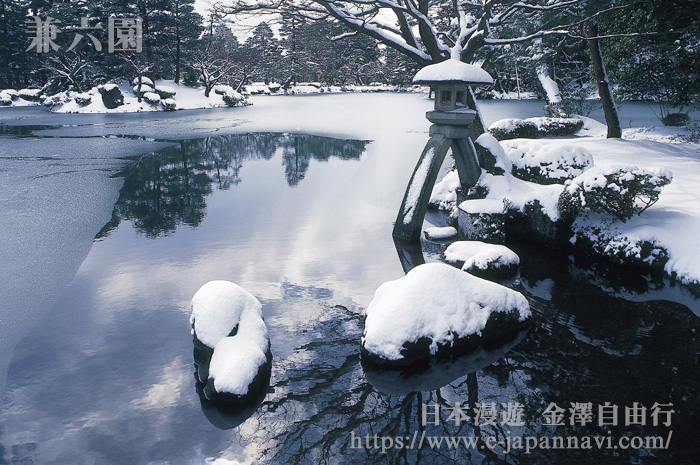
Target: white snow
480	255
440	233
485	206
436	301
217	308
489	142
444	194
553	160
144	88
550	86
452	70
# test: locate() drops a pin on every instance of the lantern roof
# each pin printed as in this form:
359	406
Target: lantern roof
454	71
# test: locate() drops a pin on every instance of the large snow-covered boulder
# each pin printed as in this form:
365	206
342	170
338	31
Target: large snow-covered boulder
232	346
111	95
151	97
482	259
438	310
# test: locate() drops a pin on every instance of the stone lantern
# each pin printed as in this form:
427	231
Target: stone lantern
453	119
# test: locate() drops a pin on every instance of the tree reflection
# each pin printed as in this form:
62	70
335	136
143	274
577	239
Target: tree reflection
168	188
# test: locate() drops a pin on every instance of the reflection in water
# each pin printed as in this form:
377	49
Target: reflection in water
169	188
112	363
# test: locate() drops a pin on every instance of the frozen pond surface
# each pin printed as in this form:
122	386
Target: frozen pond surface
103	249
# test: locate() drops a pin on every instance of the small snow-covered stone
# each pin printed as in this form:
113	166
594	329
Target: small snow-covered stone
482	259
169	104
228	319
437	234
436	309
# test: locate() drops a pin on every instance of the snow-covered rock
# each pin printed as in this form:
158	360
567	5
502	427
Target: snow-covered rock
435	310
547	163
145	88
444	193
231	342
492	156
482	259
440	233
111	95
5	100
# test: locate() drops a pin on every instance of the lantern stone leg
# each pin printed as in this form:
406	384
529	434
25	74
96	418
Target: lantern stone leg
415	202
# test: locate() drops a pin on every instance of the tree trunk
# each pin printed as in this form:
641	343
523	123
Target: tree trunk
177	61
601	78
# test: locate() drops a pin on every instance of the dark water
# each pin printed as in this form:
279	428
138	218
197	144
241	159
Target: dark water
108	376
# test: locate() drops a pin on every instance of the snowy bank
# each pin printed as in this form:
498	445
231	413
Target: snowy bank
165	95
232	346
435	310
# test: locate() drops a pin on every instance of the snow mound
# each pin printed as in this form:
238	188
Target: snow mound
547	163
480	255
228	319
437	234
452	70
437	303
444	193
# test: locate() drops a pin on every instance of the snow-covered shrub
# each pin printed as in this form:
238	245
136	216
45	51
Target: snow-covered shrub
145	88
32	95
83	99
274	87
5	101
222	89
437	310
165	91
152	98
606	241
555	110
547	163
55	100
169	104
618	191
513	128
233	98
557	126
10	93
144	81
676	119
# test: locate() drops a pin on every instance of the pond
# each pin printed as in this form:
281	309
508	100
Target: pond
106	375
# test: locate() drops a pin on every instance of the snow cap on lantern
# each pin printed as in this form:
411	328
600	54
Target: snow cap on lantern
451	80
